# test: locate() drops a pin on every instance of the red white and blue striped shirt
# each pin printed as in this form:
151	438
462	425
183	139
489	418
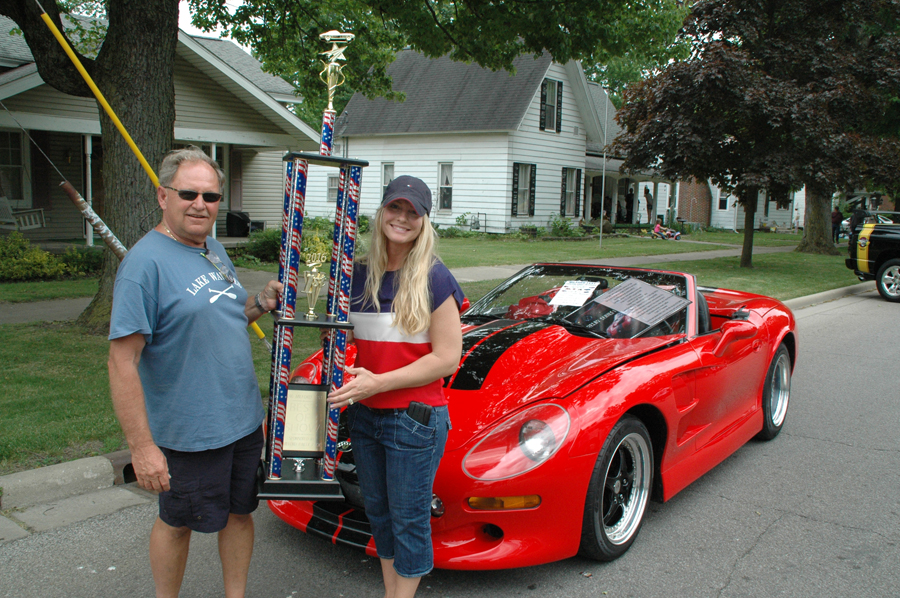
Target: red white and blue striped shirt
383	347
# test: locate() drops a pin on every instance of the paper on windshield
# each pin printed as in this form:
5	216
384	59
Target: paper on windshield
641	301
574	292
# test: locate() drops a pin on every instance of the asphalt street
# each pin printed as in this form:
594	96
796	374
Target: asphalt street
813	513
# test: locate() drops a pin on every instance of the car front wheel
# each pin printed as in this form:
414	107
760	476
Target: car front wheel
888	280
619	491
776	394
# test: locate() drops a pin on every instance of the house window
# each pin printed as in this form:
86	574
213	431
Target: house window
570	192
11	165
551	103
523	189
333	182
723	202
387	175
446	186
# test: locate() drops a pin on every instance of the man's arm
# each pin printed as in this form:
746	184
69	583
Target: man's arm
149	463
268	300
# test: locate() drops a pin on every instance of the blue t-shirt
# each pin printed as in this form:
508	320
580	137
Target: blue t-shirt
196	369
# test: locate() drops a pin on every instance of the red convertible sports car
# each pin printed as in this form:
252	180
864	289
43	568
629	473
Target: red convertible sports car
582	392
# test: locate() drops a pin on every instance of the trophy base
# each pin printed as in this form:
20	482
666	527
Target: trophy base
297	489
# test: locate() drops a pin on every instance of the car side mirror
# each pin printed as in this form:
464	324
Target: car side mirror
734	330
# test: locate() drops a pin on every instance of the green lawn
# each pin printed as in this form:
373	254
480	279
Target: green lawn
780	275
55	402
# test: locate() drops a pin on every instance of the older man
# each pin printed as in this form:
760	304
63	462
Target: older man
182	378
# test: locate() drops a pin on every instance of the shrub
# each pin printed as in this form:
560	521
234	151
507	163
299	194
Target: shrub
20	261
561	227
264	245
83	261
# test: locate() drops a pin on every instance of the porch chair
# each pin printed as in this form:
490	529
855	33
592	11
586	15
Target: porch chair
20	219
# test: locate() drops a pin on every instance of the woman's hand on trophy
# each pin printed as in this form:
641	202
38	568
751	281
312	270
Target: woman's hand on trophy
360	385
323	335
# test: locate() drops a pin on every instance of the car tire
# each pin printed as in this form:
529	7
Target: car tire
619	491
888	280
776	394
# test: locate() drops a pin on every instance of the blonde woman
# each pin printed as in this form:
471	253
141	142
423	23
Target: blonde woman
405	312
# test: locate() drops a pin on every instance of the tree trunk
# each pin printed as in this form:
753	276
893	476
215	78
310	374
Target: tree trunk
817	226
749	199
134	71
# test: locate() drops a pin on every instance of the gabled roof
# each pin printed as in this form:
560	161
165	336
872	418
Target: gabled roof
443	96
604	109
249	67
222	60
14	52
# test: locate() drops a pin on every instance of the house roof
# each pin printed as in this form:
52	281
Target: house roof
444	96
248	66
14	52
222	60
608	127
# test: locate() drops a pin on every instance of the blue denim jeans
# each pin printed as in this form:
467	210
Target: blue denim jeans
396	460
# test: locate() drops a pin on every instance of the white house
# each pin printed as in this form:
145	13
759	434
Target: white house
224	103
498	151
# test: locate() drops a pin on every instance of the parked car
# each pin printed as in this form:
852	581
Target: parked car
582	393
874	253
879	218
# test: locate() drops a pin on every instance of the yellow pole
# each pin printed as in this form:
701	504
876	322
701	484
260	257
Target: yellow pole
112	115
109	111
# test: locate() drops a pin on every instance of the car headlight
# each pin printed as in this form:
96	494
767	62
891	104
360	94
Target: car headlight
519	443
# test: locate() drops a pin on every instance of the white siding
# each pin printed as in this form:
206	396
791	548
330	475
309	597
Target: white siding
479	183
263	196
45	100
201	103
550	151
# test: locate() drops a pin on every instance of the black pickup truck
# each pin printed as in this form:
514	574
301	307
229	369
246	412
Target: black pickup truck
874	251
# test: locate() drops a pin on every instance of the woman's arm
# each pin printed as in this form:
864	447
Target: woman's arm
446	348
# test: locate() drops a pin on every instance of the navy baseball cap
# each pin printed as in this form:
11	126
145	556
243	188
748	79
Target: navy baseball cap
414	190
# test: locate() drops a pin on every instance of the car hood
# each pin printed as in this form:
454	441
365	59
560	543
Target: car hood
507	364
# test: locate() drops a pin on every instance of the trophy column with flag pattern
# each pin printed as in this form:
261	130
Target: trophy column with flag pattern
301	431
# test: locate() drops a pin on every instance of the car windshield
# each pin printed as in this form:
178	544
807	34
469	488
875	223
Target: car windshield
592	300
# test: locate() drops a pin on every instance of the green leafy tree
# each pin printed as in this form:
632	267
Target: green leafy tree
776	95
134	65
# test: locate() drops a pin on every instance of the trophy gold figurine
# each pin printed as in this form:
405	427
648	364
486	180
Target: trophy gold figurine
331	75
315	280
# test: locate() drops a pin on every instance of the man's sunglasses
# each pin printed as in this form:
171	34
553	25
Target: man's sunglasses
188	195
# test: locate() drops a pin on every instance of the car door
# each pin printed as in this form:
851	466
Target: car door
732	365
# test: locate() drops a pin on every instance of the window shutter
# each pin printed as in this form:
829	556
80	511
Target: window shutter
544	105
577	192
559	106
515	190
562	195
531	190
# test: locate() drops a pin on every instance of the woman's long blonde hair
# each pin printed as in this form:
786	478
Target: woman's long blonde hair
412	301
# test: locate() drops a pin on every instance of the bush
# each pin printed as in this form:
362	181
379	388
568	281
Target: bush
83	261
20	261
264	245
561	227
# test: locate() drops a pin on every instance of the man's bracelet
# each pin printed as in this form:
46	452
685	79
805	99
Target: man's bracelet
259	305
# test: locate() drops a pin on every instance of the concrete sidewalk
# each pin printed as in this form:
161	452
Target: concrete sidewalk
48	497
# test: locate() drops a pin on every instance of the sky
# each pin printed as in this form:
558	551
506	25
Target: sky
184	18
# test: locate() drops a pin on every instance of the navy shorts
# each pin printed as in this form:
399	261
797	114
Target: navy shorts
207	486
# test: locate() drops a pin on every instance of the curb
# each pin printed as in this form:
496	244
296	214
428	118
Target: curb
66	480
825	296
55	482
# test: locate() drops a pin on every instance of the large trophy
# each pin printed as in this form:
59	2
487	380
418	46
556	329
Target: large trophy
301	431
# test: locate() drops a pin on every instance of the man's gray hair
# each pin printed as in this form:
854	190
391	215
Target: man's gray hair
175	158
